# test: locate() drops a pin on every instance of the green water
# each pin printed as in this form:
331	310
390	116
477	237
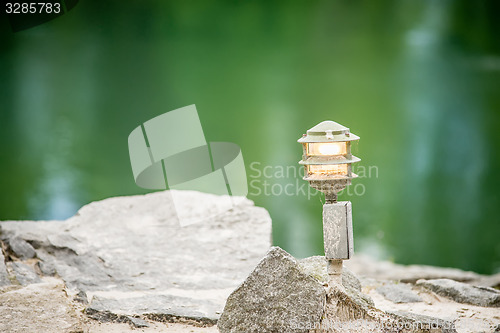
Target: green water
418	81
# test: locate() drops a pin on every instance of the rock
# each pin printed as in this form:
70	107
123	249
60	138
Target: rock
284	295
362	266
81	297
41	307
344	313
492	281
317	267
135	265
131	256
138	322
21	248
4	276
274	297
421	323
160	307
462	292
398	293
24	274
47	268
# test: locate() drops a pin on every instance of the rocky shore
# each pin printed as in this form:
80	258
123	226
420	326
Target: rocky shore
126	264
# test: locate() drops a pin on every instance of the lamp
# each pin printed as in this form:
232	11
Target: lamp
327	161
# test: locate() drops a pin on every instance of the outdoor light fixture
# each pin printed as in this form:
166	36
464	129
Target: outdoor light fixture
327	161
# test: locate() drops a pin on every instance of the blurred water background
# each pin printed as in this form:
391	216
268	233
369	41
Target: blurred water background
418	81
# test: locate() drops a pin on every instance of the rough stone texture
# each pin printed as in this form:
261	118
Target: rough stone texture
462	292
284	295
41	307
492	281
398	293
151	304
138	322
317	267
344	313
274	298
47	268
127	263
23	273
21	248
426	322
130	255
4	276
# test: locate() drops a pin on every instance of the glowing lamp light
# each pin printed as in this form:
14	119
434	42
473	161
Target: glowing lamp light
327	148
327	157
327	170
327	161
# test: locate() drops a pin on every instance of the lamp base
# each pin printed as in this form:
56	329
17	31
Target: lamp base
337	230
330	187
335	271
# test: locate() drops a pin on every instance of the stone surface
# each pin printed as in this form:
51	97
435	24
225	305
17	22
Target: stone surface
344	313
462	292
41	307
492	281
418	321
285	295
317	267
161	306
398	293
363	265
24	274
274	297
4	276
138	322
47	268
127	263
130	255
21	248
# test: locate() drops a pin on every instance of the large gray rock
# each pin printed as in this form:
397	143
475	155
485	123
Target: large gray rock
462	292
130	255
286	295
274	298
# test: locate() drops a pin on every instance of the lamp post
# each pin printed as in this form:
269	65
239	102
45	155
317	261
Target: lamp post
327	161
